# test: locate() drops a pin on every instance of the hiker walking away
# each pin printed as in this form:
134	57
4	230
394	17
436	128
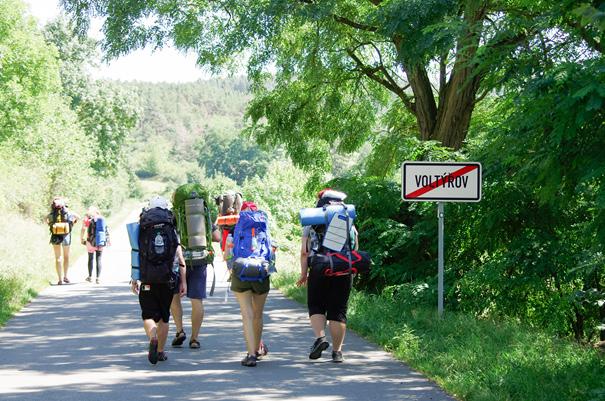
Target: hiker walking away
327	297
196	232
157	247
252	266
95	236
60	221
196	292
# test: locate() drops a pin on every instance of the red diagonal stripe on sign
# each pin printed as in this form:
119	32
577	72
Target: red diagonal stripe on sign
430	187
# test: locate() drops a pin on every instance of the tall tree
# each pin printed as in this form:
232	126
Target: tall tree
106	112
340	63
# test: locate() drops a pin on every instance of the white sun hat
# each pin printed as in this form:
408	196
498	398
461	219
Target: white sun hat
158	201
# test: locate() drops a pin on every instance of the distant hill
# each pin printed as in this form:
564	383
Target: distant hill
184	113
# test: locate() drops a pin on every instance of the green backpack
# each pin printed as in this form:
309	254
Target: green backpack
193	223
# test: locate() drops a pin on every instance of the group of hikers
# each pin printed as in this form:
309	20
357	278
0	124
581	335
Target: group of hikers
94	235
172	249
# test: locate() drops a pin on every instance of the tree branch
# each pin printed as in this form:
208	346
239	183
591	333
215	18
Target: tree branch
370	72
356	25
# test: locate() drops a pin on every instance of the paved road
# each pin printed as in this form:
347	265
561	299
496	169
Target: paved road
86	342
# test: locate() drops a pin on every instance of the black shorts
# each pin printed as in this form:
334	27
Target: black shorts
328	295
60	239
155	300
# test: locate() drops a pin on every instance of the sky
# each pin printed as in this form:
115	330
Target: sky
165	65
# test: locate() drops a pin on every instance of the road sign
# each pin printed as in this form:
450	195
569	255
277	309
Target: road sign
442	182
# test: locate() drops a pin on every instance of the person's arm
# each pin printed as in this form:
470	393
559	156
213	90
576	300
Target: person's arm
134	286
216	233
182	271
82	232
304	268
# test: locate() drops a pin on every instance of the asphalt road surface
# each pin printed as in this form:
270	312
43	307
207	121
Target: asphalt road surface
85	341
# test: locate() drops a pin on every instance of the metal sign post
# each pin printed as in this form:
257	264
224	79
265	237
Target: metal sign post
440	229
441	182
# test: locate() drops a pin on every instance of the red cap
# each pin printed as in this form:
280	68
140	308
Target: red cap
249	205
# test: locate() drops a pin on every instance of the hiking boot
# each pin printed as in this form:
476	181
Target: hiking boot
249	361
319	346
337	356
179	338
153	351
162	356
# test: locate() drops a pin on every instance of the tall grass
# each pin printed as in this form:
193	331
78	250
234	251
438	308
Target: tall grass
27	262
473	359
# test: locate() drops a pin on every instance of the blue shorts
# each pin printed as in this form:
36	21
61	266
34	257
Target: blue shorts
196	282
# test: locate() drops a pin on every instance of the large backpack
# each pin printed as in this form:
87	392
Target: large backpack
229	203
332	240
252	253
193	222
97	231
157	245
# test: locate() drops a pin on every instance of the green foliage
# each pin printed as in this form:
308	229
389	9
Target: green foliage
106	112
237	158
539	255
28	71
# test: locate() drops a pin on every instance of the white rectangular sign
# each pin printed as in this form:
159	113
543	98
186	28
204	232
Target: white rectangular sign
442	182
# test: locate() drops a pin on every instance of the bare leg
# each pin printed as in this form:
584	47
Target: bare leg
65	260
162	333
337	331
176	310
150	328
258	305
58	261
245	306
197	317
318	324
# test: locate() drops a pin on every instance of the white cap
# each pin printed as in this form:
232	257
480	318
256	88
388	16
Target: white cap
158	201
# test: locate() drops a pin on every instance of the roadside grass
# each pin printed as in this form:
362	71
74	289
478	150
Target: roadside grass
472	359
27	257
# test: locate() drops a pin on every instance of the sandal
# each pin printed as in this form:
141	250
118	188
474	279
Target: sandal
263	350
193	343
65	280
249	361
179	338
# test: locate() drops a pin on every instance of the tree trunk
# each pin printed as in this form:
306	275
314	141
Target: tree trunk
425	108
454	114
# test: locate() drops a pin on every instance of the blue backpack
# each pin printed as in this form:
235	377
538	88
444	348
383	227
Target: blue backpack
252	246
100	232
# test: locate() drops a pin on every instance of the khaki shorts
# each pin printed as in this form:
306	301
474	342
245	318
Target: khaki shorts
257	287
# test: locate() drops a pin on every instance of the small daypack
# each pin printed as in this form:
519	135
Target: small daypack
157	245
252	253
59	221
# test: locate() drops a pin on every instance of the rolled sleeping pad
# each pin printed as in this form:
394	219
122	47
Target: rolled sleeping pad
228	220
133	237
195	217
133	234
100	233
317	216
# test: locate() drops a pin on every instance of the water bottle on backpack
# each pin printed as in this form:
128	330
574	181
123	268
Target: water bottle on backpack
158	244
